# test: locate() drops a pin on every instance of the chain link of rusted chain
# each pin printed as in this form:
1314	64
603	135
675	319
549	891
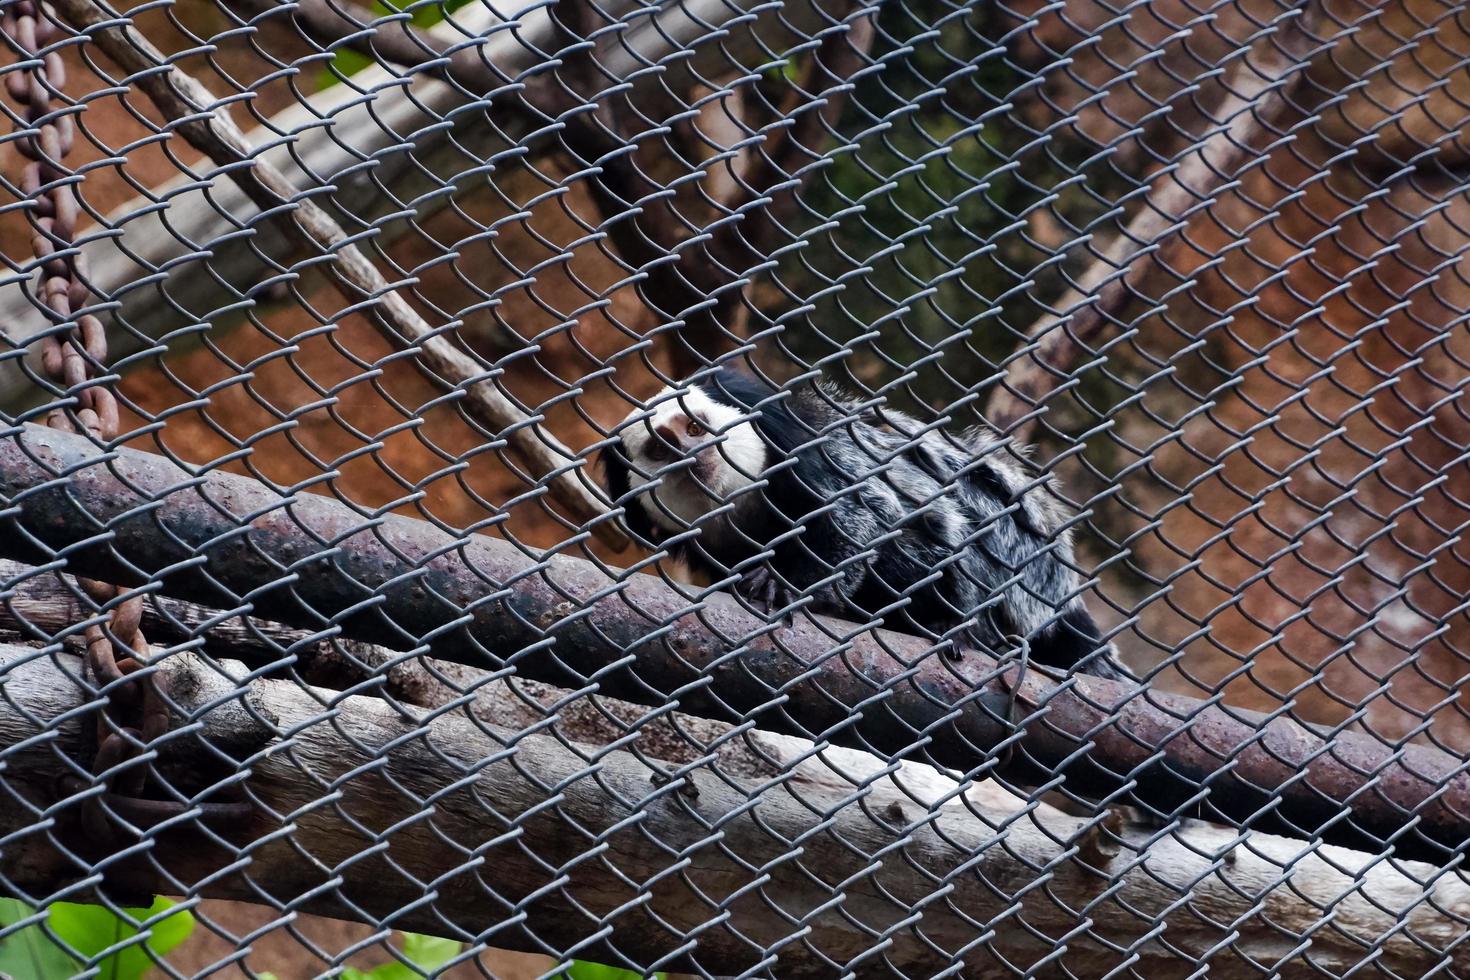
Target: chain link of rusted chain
72	353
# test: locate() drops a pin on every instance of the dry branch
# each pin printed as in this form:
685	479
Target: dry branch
483	602
1258	100
196	115
38	606
175	259
176	256
897	854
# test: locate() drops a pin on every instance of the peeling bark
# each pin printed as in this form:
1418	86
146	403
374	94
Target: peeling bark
895	868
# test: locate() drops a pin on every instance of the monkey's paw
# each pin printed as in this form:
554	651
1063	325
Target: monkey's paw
764	590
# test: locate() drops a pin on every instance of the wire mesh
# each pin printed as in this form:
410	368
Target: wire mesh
734	489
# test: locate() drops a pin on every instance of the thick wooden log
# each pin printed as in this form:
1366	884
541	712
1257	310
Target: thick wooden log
43	606
303	559
847	863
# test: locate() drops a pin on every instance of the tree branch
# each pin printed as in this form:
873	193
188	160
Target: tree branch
1259	98
195	113
471	599
897	854
176	256
38	605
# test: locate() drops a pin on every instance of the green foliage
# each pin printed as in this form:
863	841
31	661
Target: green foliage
582	970
426	953
785	70
940	214
29	952
347	62
79	934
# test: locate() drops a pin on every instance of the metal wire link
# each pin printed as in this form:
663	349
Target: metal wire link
736	488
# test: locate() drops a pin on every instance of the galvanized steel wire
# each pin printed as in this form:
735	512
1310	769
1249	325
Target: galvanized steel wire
379	285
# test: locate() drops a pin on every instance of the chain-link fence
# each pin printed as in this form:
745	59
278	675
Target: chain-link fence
732	488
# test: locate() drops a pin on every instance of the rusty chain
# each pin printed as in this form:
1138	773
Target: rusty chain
72	355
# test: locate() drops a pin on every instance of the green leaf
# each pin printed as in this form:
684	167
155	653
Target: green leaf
90	929
29	952
785	70
583	970
348	62
427	953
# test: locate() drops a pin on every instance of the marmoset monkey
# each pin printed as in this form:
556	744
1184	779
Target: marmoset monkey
869	513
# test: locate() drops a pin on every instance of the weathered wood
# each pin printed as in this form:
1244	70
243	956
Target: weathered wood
845	863
409	585
38	605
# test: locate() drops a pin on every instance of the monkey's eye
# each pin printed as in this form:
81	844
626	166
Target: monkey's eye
695	430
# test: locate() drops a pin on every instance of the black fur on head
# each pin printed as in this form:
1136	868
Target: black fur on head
615	471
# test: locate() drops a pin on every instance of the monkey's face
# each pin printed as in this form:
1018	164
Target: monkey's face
700	454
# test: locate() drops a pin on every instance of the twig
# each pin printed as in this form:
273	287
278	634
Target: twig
1257	100
192	111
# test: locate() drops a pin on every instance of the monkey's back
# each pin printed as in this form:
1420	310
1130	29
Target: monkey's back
876	516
